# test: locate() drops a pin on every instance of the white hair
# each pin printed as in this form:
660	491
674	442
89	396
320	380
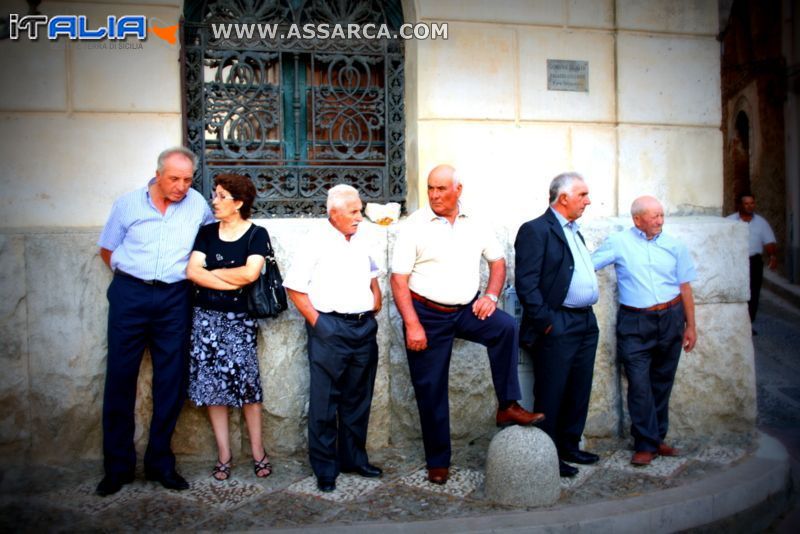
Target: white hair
563	184
338	195
183	151
454	175
642	204
456	178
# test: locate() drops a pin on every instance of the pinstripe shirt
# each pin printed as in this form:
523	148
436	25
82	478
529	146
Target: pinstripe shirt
583	289
149	245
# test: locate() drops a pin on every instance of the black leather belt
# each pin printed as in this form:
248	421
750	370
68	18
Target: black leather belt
352	316
585	309
147	282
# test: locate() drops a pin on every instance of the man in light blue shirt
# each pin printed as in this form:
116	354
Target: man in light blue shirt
146	243
655	320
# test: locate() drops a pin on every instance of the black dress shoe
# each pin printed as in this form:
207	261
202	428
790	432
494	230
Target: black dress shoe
112	484
366	470
566	470
579	457
170	480
326	485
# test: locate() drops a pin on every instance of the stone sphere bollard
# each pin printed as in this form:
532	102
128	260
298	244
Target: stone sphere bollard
522	468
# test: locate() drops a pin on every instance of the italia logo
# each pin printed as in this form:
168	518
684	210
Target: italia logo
77	28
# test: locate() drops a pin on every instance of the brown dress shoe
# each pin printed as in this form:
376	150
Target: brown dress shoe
642	458
517	415
438	475
666	450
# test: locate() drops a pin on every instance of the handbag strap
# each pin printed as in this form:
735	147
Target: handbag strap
270	252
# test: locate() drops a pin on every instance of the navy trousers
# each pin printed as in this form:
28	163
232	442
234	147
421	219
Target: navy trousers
139	316
430	368
756	279
649	346
563	365
343	360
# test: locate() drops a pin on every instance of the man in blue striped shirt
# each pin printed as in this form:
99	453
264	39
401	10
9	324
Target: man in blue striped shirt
146	243
655	320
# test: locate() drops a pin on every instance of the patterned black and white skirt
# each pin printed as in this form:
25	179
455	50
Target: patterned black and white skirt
223	365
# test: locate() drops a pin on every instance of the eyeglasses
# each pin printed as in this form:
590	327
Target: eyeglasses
215	196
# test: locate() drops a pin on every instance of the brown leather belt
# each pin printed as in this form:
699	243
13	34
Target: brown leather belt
657	307
435	305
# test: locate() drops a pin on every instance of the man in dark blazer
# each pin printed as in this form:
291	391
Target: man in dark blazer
556	286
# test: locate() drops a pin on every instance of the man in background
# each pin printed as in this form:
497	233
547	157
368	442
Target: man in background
761	239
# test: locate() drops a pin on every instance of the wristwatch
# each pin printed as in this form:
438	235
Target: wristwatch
491	297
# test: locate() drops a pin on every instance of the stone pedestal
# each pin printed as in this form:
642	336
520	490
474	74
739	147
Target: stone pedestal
522	468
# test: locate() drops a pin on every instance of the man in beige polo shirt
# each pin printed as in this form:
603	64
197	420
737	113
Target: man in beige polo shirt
435	282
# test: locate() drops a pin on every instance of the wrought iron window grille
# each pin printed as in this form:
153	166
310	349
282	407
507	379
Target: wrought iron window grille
295	115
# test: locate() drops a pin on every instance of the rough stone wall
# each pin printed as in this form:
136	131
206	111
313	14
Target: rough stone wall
53	324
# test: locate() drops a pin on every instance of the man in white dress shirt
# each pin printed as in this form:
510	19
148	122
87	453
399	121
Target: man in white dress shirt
334	284
761	239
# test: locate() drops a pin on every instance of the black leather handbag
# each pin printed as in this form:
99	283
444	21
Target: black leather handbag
266	297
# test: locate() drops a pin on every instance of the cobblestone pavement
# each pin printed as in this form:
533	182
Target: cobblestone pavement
62	499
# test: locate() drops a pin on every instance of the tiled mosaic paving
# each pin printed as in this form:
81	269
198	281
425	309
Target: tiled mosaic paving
83	498
720	455
461	483
662	466
221	494
206	492
584	472
62	499
348	488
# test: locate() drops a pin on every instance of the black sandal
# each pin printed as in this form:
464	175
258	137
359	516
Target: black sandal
222	468
261	465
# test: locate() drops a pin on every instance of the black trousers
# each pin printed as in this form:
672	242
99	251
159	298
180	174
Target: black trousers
139	316
649	345
343	360
563	365
430	368
756	279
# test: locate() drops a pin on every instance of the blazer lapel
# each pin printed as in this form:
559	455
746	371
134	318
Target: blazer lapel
555	227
